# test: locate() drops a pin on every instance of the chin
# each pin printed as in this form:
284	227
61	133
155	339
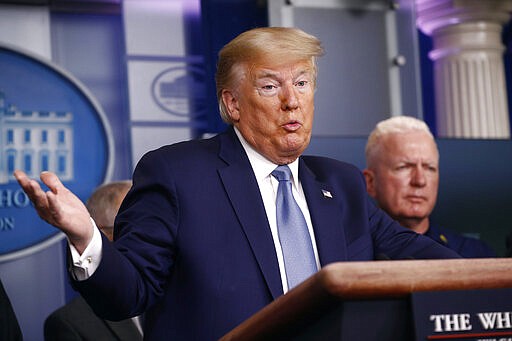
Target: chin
416	215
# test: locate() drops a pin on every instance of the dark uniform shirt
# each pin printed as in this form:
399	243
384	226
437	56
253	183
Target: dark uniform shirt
509	246
467	247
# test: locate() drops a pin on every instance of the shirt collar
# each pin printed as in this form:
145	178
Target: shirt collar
261	166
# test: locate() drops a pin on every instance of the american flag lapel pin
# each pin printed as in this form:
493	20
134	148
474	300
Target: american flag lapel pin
326	193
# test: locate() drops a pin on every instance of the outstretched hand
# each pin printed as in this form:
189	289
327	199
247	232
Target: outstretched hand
59	207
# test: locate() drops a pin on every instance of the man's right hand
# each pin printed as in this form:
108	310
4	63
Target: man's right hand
59	207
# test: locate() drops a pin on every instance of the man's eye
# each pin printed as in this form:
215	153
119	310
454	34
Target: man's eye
302	83
268	87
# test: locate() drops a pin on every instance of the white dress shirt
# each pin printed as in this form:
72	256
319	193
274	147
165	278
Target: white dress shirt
268	185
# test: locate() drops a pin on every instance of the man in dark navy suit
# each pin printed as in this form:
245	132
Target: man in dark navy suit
197	244
402	176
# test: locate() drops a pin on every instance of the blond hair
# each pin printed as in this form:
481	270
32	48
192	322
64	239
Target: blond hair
277	44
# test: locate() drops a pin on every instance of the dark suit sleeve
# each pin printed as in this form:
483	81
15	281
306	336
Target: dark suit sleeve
9	327
144	239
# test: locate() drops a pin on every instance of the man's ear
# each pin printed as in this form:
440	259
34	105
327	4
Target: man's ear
370	182
231	104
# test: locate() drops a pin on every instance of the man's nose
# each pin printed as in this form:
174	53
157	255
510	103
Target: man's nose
418	177
289	100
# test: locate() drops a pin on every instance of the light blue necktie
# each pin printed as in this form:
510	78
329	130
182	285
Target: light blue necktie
299	259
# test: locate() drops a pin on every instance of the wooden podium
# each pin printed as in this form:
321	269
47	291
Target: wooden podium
344	299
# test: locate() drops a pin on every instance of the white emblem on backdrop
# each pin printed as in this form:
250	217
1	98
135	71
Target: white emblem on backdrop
48	121
35	141
180	90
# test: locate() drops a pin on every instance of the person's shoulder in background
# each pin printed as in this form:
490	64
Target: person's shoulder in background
508	252
9	328
77	321
467	247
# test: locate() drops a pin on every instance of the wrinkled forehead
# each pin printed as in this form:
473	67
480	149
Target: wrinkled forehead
261	68
403	144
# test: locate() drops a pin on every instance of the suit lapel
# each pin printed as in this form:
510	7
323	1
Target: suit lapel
326	216
240	184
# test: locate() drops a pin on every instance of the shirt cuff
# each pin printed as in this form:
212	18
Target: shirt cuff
85	265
